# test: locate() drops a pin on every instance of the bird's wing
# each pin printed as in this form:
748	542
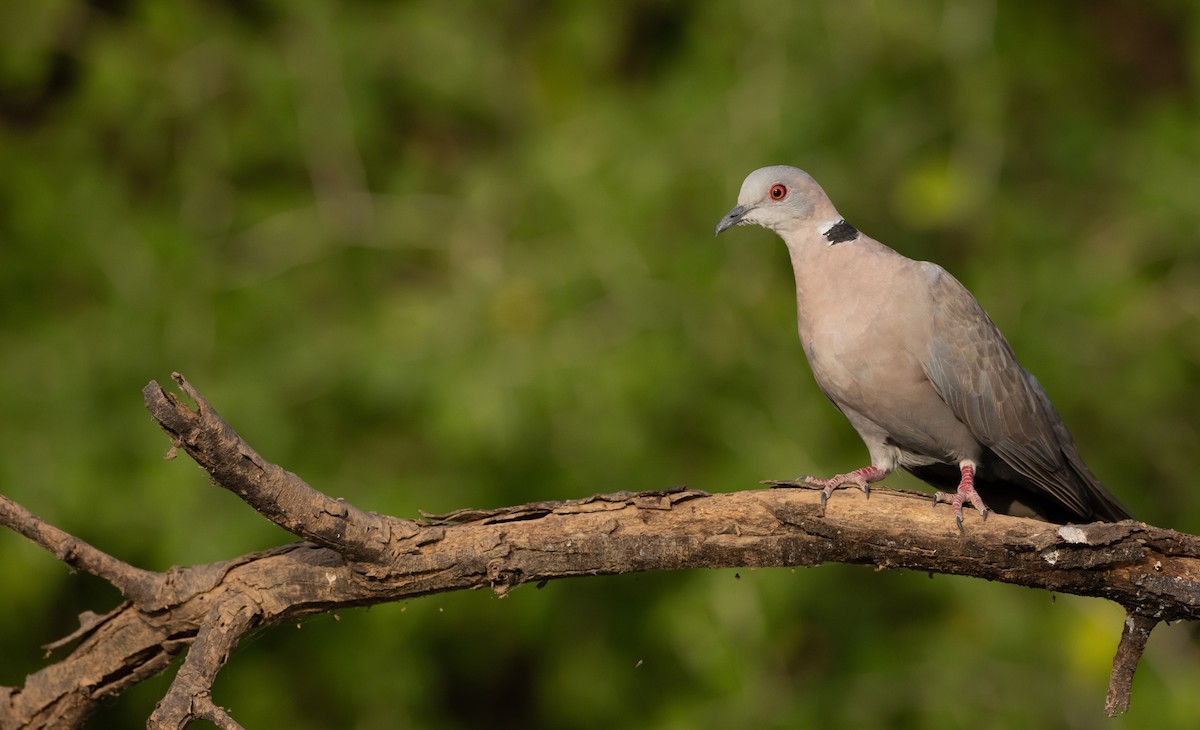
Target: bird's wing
973	369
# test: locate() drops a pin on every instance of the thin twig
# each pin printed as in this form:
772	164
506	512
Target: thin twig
205	709
133	583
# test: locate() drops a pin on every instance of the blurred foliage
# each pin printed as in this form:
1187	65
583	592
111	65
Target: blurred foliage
432	256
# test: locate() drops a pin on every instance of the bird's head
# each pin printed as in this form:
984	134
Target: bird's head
779	198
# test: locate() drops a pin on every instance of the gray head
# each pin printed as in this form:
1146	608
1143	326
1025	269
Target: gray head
779	198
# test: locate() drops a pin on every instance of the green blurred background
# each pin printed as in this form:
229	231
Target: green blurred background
439	255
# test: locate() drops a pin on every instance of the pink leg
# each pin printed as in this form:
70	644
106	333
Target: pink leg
860	478
965	493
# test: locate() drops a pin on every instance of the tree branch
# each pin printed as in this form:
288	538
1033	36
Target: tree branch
132	582
355	558
275	493
1129	652
190	694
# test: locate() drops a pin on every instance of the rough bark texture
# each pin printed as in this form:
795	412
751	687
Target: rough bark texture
354	558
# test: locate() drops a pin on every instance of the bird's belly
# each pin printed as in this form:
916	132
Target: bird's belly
879	382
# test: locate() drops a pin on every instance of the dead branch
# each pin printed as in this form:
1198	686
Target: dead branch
349	557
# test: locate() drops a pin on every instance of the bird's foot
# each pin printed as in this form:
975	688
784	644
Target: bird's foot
965	493
860	478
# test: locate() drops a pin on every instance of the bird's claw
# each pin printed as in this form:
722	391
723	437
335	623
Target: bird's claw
856	478
957	500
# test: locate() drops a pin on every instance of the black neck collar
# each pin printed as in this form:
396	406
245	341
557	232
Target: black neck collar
841	231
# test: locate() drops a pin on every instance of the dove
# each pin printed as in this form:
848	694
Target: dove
916	365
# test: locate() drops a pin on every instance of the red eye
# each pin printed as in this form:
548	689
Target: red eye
778	192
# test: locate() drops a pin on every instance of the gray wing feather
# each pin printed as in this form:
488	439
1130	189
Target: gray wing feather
976	373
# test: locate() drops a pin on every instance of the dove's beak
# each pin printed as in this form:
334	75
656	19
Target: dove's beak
732	218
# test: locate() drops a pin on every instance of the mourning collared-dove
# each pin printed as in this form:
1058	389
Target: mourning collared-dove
919	369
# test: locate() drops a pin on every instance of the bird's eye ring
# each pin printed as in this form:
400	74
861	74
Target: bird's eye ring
778	192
